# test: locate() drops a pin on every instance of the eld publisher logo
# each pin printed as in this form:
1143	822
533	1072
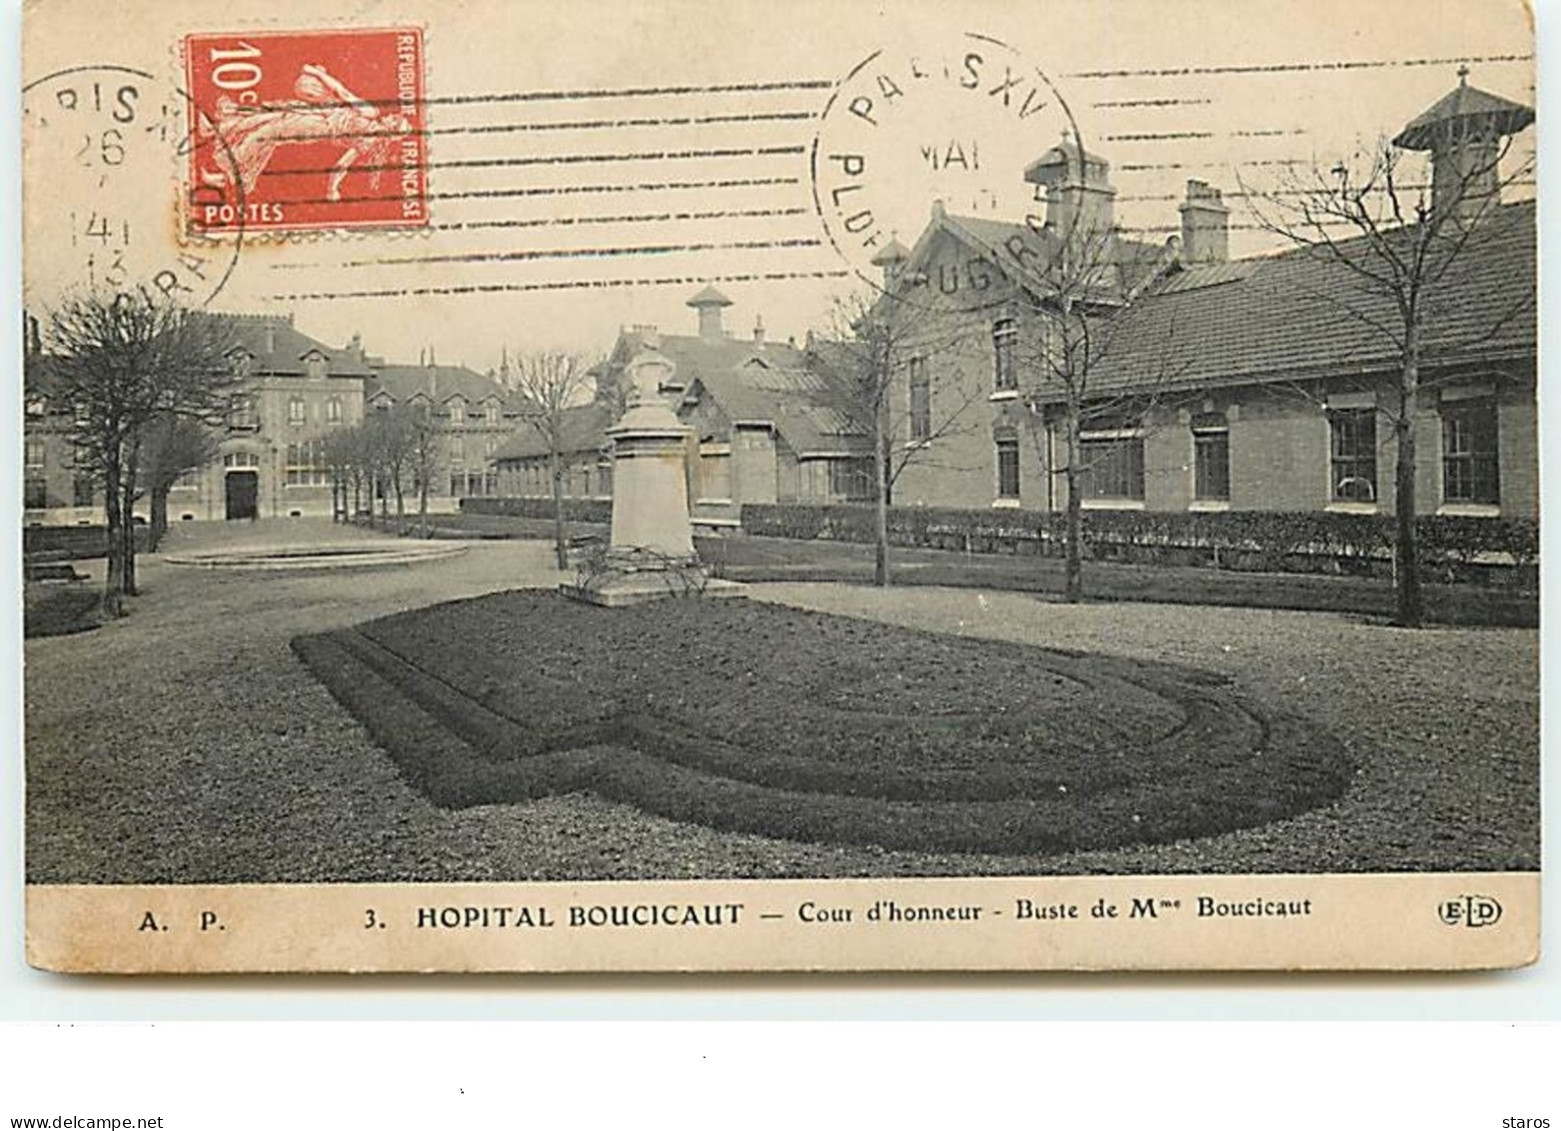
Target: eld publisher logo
1471	911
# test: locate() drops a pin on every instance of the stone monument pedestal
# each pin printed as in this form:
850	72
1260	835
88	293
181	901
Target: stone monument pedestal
651	555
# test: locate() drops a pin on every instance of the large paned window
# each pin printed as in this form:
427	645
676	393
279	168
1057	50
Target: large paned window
851	480
306	466
1469	453
1111	461
1211	457
1353	466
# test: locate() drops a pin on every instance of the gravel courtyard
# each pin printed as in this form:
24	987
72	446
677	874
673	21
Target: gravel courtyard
186	744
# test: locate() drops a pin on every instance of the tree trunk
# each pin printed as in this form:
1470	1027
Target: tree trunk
880	518
1411	602
127	489
114	585
159	526
1073	558
560	540
401	505
422	507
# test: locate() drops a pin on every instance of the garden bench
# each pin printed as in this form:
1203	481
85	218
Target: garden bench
53	572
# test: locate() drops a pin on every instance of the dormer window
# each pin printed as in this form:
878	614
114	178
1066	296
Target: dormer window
457	412
243	362
314	366
490	412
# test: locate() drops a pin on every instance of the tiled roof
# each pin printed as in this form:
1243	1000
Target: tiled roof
792	401
1297	314
585	430
439	383
278	349
694	355
275	347
996	239
751	382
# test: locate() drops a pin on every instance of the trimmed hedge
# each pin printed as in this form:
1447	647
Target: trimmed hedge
66	543
1452	547
575	510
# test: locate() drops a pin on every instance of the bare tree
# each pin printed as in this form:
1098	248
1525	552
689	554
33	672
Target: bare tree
1394	241
423	447
342	450
124	361
171	446
553	382
1078	323
388	442
885	366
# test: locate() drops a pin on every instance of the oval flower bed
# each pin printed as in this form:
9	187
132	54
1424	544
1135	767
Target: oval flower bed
760	718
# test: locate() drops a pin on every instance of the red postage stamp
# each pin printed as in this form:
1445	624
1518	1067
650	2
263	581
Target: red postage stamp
305	130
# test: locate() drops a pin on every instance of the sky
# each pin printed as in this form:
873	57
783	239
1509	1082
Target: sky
591	166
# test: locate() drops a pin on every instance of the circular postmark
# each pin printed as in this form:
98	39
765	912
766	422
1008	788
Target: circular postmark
917	131
103	147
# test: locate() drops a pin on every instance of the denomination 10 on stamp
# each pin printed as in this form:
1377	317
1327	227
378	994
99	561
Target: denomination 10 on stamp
306	130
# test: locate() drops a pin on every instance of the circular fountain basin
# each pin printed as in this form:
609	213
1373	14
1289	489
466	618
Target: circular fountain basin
341	555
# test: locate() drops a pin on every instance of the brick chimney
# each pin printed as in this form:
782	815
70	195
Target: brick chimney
1205	225
758	329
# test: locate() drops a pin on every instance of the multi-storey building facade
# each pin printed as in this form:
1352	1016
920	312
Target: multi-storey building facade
294	393
475	415
1259	384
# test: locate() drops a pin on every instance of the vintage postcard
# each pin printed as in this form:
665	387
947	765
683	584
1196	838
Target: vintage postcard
647	486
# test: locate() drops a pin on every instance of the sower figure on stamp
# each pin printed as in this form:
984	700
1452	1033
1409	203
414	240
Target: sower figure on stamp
326	111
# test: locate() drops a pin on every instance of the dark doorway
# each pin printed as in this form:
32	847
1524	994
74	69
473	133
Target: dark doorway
243	491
